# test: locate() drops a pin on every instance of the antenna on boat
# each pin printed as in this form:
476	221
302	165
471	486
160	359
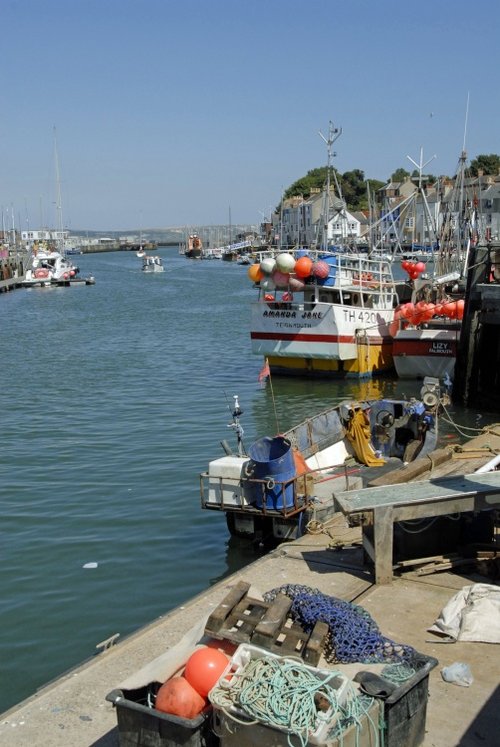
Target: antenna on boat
236	426
466	121
420	167
333	134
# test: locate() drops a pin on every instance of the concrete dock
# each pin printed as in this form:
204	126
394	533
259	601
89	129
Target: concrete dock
73	711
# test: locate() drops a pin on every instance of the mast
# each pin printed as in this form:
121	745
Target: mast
333	134
60	222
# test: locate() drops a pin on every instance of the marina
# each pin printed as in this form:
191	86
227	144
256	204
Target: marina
250	402
120	517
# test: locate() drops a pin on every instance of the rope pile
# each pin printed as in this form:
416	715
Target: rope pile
353	635
282	694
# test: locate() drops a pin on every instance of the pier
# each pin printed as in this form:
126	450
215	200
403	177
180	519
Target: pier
73	710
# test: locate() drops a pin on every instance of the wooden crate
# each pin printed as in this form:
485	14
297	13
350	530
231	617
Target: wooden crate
241	619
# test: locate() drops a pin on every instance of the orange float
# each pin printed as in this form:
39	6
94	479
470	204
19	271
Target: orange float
203	669
255	273
178	697
303	267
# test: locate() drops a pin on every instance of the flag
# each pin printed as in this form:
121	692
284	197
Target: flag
265	372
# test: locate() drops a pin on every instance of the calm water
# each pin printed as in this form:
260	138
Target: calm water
114	399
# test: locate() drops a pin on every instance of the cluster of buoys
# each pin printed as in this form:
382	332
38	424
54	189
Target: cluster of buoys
186	695
285	271
422	311
414	269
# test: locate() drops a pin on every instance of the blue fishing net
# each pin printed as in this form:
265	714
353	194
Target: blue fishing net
353	635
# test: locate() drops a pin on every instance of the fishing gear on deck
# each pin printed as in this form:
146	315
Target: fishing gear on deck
353	635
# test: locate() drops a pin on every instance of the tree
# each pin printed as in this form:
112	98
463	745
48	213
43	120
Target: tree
399	175
487	164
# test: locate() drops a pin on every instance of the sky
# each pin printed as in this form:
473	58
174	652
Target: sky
172	113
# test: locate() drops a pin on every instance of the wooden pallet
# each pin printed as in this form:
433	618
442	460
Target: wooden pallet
242	619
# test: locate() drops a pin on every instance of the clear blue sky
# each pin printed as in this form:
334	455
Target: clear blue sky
173	112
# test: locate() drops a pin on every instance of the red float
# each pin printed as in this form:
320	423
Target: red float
203	669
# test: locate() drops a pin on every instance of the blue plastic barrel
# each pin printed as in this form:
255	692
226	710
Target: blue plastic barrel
273	461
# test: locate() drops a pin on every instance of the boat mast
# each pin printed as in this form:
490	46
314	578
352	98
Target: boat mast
60	222
333	134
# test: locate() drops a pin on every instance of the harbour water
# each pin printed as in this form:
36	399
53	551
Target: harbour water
114	398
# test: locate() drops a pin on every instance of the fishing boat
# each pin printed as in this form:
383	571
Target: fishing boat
323	313
280	483
324	310
152	264
427	329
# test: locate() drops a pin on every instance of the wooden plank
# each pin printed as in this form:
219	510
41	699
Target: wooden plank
415	469
221	612
273	619
486	484
316	643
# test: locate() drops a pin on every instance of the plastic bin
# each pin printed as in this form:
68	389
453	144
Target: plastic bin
406	709
273	461
244	654
142	726
238	734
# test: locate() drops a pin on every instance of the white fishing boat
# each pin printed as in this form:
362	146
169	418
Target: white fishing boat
276	486
324	311
152	264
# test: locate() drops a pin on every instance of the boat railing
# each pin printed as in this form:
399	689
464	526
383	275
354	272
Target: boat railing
295	494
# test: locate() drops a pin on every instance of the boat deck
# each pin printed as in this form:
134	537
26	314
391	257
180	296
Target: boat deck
73	710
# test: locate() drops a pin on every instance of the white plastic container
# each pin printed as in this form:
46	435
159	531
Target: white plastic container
246	653
226	482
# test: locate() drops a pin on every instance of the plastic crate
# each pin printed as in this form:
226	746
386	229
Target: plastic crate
245	653
139	725
405	709
238	734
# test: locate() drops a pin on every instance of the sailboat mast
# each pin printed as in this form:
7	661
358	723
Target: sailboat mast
60	222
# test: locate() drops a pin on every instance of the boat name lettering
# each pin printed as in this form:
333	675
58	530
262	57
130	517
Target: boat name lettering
442	348
312	315
281	314
360	316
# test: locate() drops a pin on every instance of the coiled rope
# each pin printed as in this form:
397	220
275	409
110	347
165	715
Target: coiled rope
280	693
353	635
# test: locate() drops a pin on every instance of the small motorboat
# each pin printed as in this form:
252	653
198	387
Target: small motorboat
275	487
152	264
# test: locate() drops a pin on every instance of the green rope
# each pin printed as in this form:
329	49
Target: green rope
352	713
283	694
397	673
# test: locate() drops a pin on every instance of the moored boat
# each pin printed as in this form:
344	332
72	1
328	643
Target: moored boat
48	267
276	486
322	313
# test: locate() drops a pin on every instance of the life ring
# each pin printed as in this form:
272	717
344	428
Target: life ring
41	272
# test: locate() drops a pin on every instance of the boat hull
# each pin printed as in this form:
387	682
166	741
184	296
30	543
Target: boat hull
325	340
425	352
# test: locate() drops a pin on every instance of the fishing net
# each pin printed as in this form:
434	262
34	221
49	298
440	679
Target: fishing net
353	635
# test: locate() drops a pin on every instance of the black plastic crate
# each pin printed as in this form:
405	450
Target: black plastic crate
140	725
405	709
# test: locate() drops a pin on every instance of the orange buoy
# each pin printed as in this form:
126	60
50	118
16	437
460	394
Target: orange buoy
178	697
303	267
255	273
204	667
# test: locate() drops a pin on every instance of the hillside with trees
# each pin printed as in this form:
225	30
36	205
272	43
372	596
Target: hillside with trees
354	186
